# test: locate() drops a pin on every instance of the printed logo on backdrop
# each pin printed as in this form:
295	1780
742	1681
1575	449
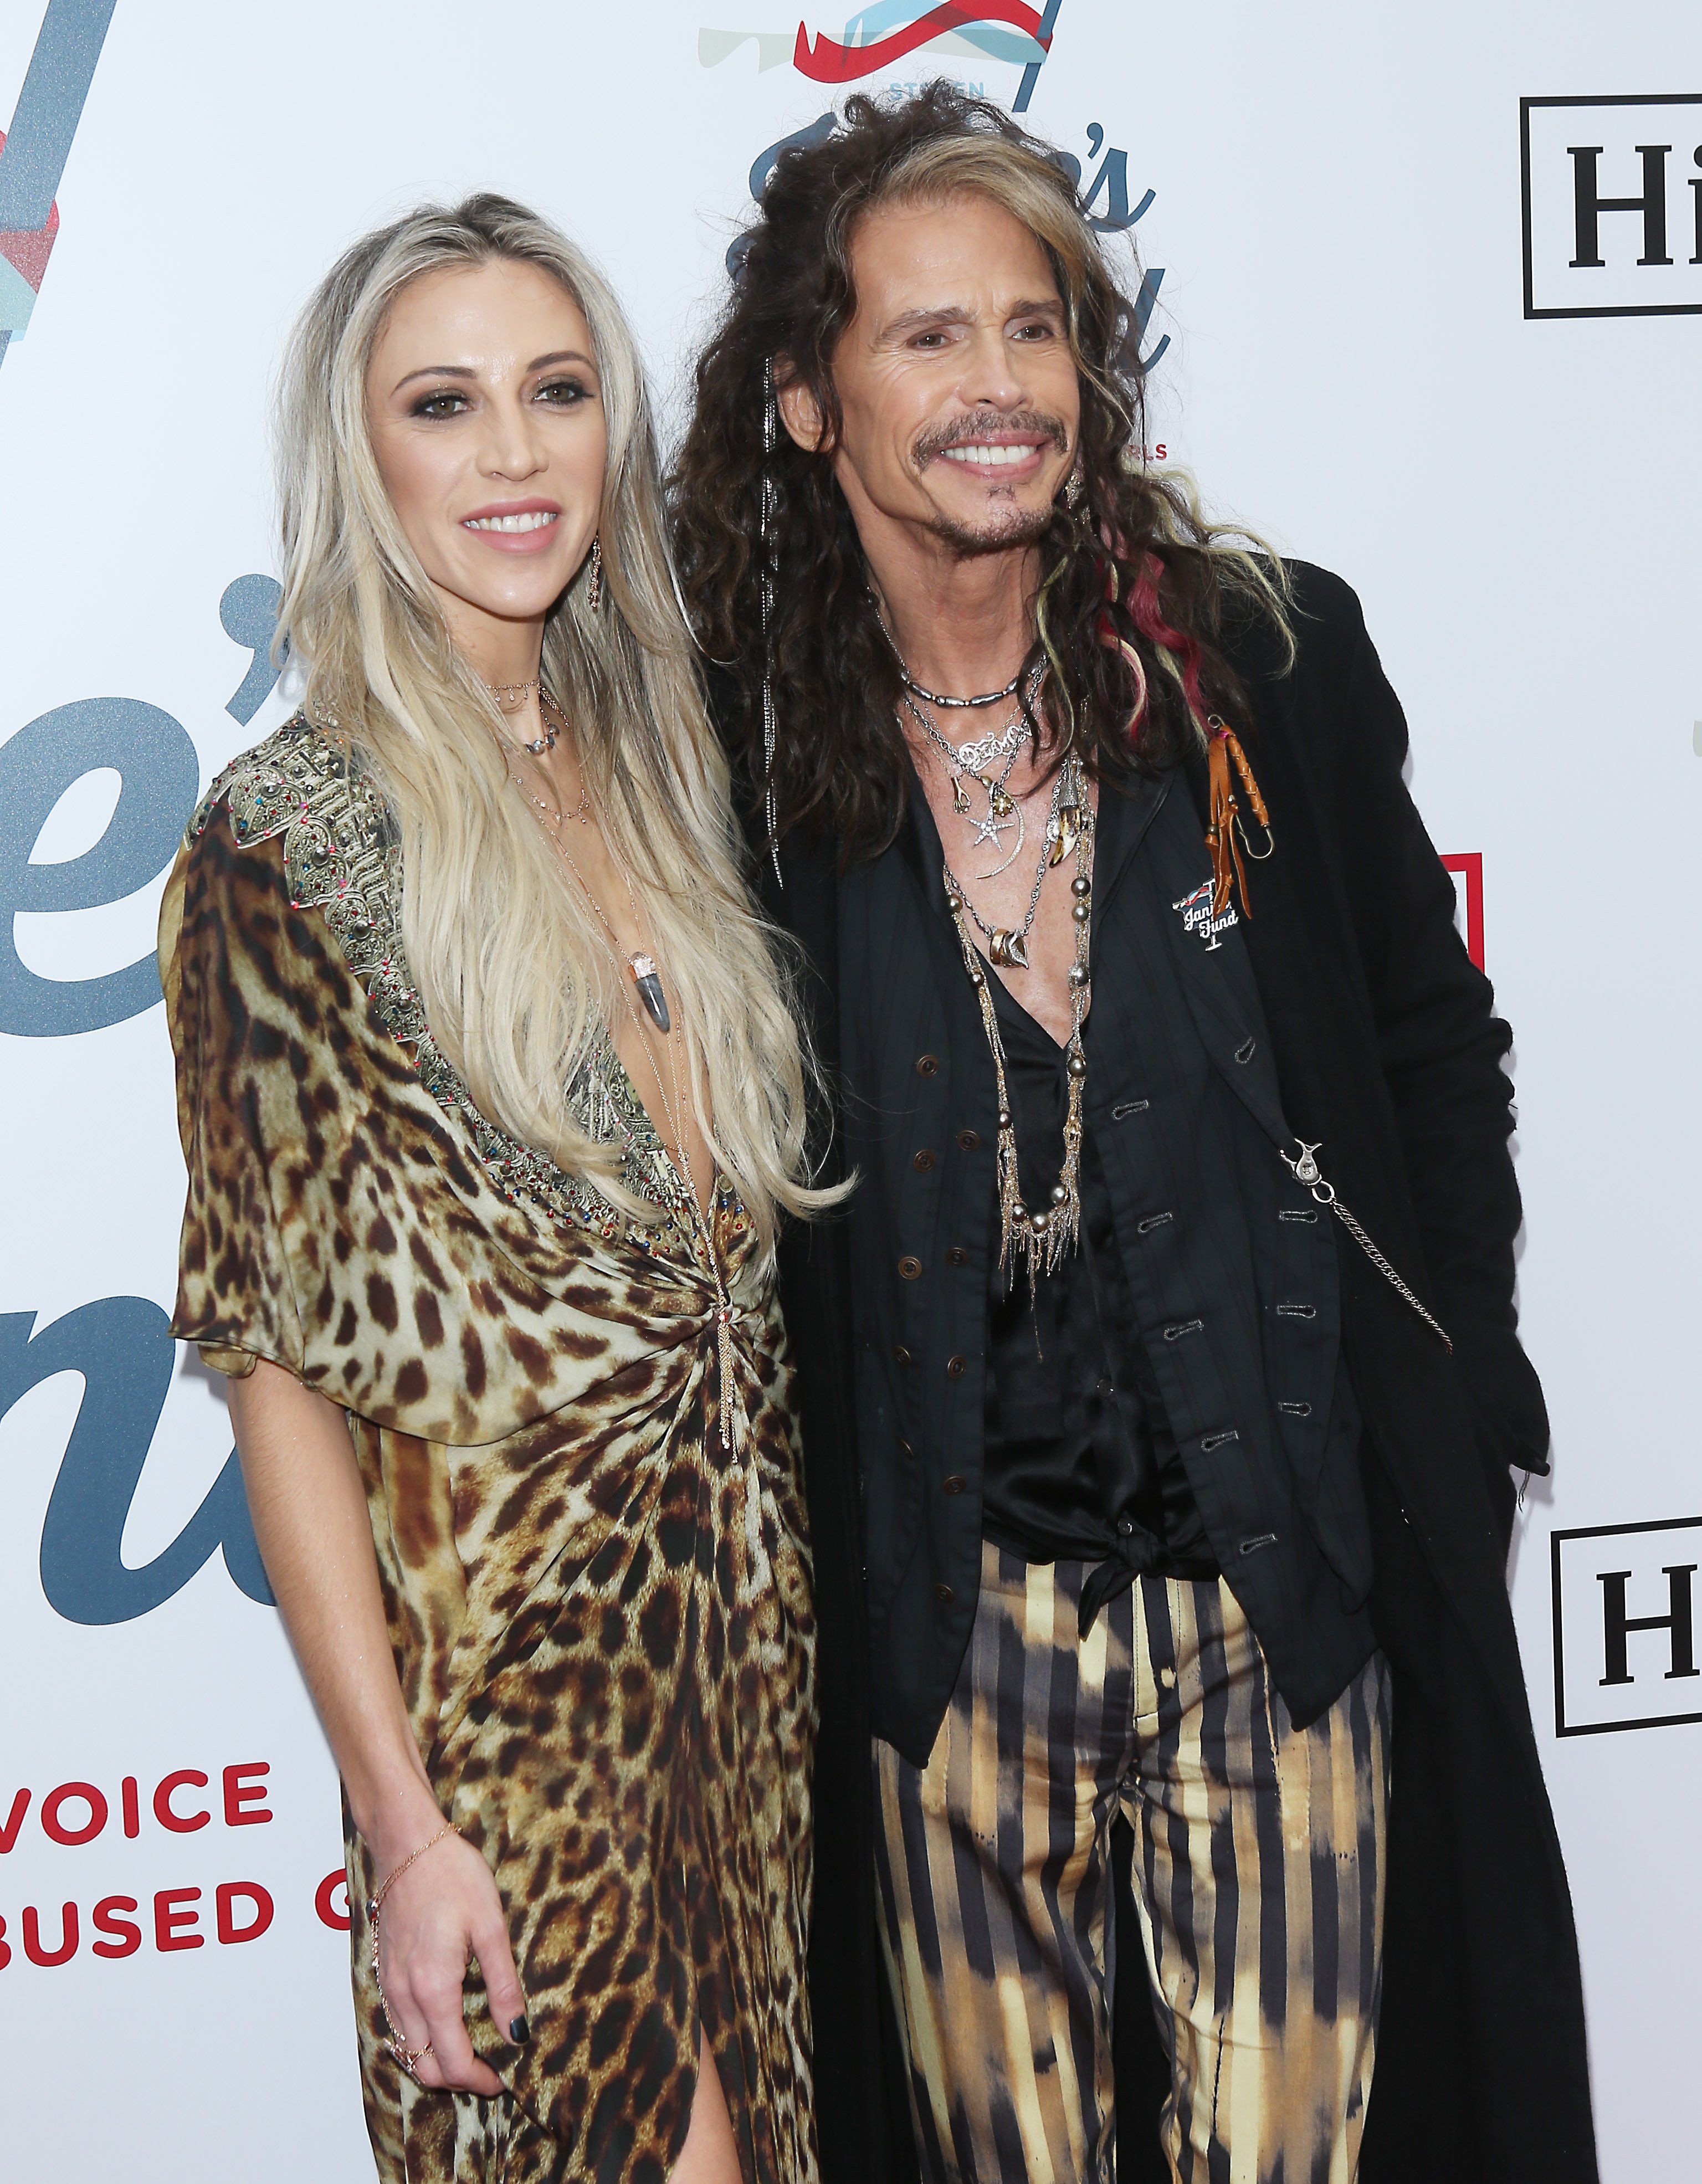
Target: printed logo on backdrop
156	1810
1625	1600
120	1349
159	778
149	753
1466	869
1013	33
877	38
1612	206
33	152
118	1346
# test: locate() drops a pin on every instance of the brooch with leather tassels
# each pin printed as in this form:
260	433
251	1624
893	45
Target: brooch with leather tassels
1226	830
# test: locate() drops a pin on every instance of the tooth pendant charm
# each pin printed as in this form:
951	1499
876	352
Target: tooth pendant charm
1008	951
960	795
1063	831
642	971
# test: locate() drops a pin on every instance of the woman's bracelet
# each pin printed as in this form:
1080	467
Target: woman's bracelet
406	2057
431	1842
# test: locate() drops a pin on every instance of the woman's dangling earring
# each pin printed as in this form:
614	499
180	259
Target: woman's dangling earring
594	591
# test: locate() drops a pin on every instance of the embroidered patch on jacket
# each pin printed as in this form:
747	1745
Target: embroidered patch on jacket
1197	919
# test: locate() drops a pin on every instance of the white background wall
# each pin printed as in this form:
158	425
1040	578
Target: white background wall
1337	212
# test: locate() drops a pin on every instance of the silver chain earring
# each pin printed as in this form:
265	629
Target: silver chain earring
770	435
594	590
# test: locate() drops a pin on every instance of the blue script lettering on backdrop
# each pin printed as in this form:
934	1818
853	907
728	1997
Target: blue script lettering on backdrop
44	122
121	1348
249	615
1111	182
156	760
161	777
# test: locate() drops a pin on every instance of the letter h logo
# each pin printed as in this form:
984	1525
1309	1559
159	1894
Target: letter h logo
1618	1625
1612	206
1625	1626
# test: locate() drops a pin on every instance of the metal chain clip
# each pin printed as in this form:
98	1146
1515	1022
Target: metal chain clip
1308	1171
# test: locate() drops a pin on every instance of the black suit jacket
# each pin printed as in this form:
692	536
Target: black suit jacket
1389	1053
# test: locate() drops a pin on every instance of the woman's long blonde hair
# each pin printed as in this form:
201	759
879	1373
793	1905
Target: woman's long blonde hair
515	974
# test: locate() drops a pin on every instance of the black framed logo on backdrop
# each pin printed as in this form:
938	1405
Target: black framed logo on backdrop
1625	1597
1612	206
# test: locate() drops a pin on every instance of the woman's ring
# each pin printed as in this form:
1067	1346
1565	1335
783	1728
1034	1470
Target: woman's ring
408	2057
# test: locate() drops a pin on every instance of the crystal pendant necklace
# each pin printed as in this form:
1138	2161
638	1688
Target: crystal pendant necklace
640	965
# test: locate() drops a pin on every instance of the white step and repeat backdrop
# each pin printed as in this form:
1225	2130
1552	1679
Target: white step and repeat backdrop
1423	286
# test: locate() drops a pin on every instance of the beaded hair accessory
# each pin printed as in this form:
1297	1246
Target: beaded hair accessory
765	580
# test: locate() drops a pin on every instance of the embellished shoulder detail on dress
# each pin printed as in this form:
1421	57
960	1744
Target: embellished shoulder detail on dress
342	856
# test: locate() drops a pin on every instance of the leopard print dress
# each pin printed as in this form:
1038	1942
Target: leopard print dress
600	1613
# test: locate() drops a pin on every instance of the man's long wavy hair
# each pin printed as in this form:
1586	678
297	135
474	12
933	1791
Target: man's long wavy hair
1135	584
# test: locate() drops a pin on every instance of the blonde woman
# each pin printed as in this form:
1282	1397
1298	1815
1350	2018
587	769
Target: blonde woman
491	1105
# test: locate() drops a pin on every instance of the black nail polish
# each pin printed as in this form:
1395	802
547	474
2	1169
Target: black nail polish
519	2031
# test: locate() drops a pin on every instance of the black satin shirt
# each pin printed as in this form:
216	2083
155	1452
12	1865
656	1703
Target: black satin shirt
1081	1464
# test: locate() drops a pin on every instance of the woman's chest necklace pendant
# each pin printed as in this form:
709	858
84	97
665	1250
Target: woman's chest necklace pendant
642	971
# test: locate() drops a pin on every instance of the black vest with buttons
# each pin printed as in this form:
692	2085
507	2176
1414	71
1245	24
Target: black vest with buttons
1235	1295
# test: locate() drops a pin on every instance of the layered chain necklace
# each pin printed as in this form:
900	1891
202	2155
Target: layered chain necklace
511	696
1039	1238
640	965
641	969
974	759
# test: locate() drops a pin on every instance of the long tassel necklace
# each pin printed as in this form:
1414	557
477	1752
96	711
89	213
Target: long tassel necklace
641	968
734	1426
1040	1237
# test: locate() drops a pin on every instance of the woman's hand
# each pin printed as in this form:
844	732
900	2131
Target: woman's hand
442	1912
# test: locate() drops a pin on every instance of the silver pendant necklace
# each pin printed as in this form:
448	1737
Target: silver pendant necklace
934	697
1039	1238
1068	827
970	761
640	965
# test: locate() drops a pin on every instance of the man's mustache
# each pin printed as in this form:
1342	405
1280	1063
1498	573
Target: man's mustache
988	424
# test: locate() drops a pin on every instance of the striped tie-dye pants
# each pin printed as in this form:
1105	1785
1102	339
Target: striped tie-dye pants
1258	1878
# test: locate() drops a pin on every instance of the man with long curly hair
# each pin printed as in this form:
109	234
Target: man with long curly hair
1161	1389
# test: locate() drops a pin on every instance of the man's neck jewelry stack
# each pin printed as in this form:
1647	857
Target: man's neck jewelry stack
1040	1238
972	761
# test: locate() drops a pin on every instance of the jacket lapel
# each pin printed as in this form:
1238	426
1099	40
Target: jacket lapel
1125	816
1213	967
